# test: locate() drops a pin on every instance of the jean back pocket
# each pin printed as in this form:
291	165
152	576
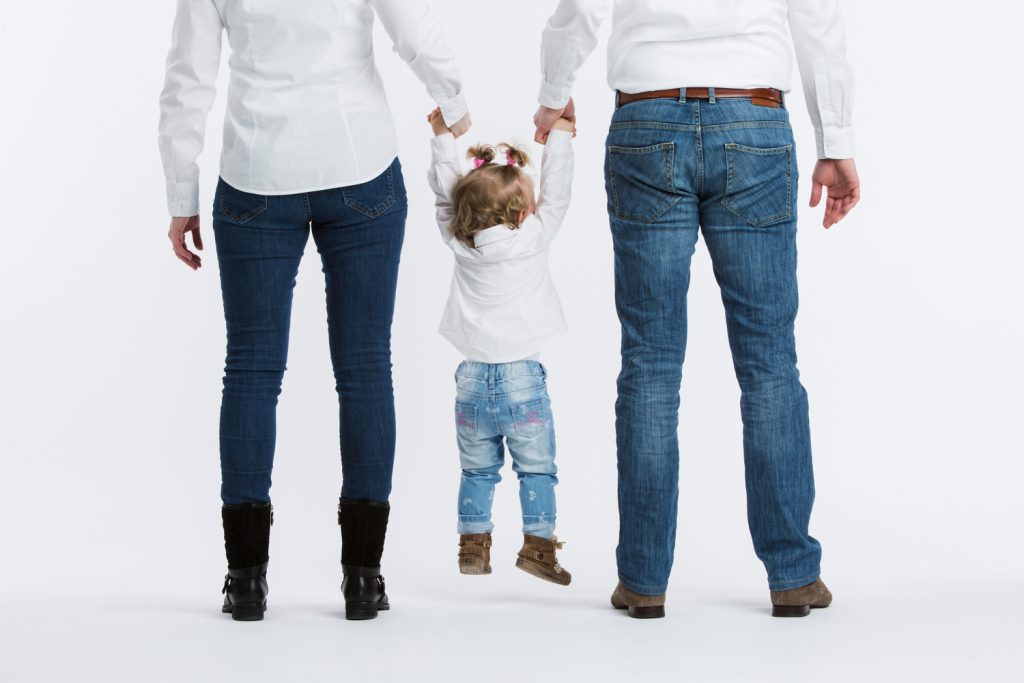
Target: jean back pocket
238	206
640	181
374	197
759	183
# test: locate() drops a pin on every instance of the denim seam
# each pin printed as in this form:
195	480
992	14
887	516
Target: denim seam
716	127
249	215
680	127
700	150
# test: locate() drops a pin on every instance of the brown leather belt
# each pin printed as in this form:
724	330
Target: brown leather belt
762	97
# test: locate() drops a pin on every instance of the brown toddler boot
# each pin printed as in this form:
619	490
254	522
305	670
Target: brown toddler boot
798	602
475	553
639	606
537	557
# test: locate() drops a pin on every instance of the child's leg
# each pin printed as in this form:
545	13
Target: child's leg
531	442
482	454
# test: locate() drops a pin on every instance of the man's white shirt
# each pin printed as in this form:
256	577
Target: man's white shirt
662	44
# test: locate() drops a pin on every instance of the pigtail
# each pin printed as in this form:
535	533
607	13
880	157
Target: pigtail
481	154
515	155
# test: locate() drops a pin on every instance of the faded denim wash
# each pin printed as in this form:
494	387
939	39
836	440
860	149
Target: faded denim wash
726	169
358	232
499	404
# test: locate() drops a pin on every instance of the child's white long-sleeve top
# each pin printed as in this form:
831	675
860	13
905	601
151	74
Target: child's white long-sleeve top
503	305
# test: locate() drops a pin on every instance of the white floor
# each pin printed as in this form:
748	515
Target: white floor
512	628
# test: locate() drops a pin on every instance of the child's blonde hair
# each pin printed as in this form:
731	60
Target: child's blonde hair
491	194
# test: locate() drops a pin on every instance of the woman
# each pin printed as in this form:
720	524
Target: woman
309	147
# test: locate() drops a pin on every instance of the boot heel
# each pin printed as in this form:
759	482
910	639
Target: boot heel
359	611
248	612
647	612
790	610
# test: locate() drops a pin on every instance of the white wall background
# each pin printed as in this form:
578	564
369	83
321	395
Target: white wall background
910	334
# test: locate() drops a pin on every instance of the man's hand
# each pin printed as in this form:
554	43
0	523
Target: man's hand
565	125
545	118
180	226
840	178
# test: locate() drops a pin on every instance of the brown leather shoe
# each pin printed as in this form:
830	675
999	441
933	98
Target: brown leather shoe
475	553
537	557
639	606
798	602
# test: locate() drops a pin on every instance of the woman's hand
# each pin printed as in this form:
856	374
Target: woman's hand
180	226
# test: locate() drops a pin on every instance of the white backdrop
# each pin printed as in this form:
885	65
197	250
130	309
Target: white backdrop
909	334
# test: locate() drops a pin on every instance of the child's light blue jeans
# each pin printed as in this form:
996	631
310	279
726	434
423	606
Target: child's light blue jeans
499	404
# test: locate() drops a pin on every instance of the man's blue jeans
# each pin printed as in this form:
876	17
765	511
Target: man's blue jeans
728	169
505	404
358	231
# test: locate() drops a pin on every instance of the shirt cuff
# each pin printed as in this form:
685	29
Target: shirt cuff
453	110
442	148
559	142
552	96
183	198
835	143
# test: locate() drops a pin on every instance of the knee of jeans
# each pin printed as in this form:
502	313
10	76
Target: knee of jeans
247	379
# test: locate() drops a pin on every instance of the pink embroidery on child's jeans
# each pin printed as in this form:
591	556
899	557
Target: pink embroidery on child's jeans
533	417
462	420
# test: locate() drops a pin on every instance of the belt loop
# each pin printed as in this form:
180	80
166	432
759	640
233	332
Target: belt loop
711	95
682	96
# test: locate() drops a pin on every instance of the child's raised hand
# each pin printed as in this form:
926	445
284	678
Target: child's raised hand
437	122
565	124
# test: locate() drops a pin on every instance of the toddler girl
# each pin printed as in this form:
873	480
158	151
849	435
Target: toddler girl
502	309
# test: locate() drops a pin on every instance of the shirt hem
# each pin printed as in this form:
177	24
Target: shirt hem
301	190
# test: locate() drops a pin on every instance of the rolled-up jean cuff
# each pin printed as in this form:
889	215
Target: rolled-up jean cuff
544	529
642	589
790	584
475	524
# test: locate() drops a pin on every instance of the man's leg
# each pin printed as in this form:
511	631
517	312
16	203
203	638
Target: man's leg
749	224
653	211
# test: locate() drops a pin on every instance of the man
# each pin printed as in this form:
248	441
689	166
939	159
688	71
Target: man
700	140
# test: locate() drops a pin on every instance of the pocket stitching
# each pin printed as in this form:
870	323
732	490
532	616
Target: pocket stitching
669	169
463	410
372	212
246	217
731	147
521	409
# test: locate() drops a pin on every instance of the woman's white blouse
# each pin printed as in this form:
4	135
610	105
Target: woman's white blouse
503	305
306	106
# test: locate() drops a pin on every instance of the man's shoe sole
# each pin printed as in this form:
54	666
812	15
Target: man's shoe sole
246	612
794	610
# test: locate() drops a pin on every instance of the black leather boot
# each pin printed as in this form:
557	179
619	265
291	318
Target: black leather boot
246	541
364	524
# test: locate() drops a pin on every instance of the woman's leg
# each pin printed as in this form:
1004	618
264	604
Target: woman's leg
359	232
260	241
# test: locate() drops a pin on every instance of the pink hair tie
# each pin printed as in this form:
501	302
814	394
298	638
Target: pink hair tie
509	161
477	163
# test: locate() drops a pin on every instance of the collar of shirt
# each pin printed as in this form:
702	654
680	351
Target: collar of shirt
493	234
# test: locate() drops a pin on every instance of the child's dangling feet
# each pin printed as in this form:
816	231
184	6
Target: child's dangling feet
475	553
538	557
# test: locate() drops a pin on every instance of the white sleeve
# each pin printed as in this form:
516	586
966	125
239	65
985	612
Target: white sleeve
188	94
442	176
420	40
568	39
555	183
820	41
